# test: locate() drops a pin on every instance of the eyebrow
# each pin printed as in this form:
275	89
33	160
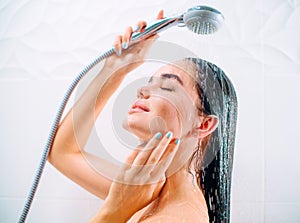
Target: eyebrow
166	75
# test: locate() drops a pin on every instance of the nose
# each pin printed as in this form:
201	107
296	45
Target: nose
143	92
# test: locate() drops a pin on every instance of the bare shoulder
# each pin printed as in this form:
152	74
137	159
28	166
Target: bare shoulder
177	213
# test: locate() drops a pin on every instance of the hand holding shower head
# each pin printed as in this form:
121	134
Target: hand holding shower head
199	19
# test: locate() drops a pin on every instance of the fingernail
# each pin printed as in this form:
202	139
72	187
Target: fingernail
169	134
119	52
125	45
158	135
177	141
137	28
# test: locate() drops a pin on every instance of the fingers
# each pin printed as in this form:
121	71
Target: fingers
160	14
156	150
160	149
121	42
130	159
118	45
166	159
140	26
152	161
157	166
127	37
127	164
143	155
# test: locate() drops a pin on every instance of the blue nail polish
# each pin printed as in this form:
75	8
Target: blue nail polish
169	134
137	28
125	45
158	135
177	141
119	52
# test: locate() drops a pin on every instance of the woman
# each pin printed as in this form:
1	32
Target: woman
181	171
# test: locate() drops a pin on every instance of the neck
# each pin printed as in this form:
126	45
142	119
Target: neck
181	187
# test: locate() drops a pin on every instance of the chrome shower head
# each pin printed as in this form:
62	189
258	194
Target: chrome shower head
199	19
203	20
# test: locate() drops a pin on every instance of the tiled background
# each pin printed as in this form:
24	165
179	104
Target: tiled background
45	43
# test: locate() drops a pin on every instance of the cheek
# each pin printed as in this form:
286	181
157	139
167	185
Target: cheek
167	113
183	116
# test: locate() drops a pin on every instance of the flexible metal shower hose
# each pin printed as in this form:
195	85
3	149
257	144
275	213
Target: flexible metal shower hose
54	130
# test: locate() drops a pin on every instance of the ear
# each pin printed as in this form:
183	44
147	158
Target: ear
207	126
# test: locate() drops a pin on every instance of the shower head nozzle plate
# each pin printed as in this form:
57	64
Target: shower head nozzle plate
203	20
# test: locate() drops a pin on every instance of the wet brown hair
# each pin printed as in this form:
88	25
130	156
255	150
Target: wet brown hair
212	159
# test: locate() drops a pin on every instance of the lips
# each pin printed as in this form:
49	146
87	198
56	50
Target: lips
138	107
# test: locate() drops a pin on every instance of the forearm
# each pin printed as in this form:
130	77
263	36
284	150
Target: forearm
67	153
75	129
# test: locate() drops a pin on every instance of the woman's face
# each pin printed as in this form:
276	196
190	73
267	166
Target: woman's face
167	103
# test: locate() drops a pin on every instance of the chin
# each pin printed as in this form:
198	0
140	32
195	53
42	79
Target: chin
144	127
140	131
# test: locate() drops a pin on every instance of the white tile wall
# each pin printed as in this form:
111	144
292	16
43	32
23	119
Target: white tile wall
282	197
249	157
280	212
248	212
45	43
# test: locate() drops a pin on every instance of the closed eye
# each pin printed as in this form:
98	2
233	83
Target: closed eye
166	89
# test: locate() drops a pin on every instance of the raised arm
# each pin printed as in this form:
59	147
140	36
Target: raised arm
67	153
